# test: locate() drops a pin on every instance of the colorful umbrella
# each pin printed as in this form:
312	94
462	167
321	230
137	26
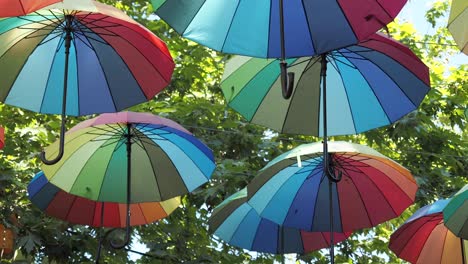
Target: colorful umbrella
456	213
168	161
237	223
11	8
2	137
372	84
277	29
424	239
104	60
293	190
78	210
457	24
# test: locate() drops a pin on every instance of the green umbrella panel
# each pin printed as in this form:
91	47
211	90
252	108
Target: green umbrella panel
456	213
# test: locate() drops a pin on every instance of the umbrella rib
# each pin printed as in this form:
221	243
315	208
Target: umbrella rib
301	62
79	36
39	22
310	65
335	58
230	25
93	38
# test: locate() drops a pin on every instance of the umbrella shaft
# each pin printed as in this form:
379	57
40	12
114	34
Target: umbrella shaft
281	17
323	75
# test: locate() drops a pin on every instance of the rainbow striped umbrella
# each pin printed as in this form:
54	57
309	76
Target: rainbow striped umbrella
79	57
129	157
456	213
79	210
424	239
293	189
371	84
277	28
11	8
237	223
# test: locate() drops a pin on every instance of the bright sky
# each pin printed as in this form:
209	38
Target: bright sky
414	12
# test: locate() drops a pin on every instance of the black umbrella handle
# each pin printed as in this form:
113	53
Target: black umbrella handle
61	145
287	80
68	38
125	242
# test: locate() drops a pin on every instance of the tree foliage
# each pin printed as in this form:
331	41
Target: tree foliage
431	142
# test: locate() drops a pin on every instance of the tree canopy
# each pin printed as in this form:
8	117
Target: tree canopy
431	142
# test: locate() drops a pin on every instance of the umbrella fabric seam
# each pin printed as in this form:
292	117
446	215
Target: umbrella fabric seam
131	44
350	26
169	158
84	166
378	188
362	201
391	78
294	92
189	156
75	150
22	66
370	88
386	175
50	72
105	172
445	239
230	25
242	89
152	166
109	90
347	95
121	58
308	27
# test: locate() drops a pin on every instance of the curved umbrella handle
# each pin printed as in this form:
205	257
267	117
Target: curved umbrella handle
287	80
61	146
116	245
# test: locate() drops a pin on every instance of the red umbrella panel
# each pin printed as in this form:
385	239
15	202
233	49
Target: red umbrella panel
424	239
11	8
78	210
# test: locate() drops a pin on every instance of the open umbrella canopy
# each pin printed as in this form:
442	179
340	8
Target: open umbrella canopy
456	213
457	24
168	161
114	62
424	239
292	189
78	210
11	8
371	84
237	223
252	28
